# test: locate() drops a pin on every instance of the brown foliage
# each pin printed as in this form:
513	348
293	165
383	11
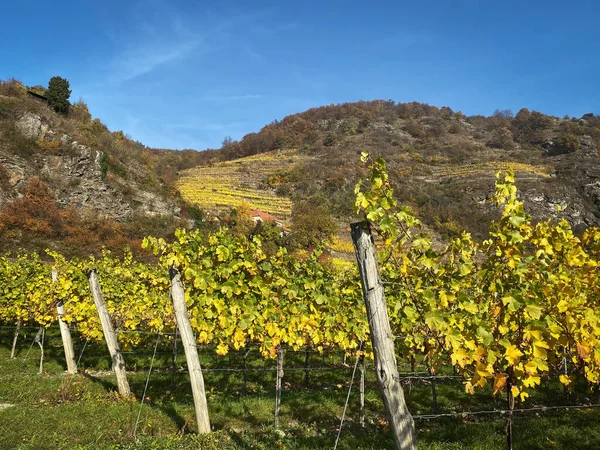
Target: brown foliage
415	129
527	126
35	217
12	88
35	213
501	138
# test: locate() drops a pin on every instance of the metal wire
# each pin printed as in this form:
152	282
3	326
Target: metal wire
337	439
137	420
504	411
81	353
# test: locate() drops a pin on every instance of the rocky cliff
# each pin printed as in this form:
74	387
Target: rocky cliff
75	173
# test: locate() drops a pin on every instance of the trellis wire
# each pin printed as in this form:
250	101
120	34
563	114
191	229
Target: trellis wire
504	411
542	408
337	439
137	420
81	353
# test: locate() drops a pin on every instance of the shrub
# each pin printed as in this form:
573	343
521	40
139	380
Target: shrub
48	145
12	88
415	129
455	127
567	142
501	138
330	139
79	111
103	161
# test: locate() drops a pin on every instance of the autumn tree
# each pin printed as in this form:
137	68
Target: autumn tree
311	224
58	94
501	138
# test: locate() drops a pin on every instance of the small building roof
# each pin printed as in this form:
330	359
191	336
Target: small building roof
257	214
36	95
265	217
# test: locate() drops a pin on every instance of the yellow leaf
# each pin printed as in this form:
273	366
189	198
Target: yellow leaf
459	356
564	379
583	350
469	388
222	349
512	354
531	381
514	391
562	306
499	382
539	349
484	370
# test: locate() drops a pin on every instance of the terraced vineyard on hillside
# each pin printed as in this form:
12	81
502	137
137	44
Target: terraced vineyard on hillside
224	185
488	169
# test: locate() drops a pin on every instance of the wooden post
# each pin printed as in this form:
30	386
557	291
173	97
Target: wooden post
39	339
509	413
307	367
361	367
246	353
278	383
191	352
14	346
386	369
174	359
65	333
118	363
433	391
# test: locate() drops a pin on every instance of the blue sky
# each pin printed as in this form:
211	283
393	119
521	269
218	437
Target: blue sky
182	74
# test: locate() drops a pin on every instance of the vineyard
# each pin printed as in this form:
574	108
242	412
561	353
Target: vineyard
484	331
227	184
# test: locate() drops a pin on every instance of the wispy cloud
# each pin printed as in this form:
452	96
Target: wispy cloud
145	57
159	35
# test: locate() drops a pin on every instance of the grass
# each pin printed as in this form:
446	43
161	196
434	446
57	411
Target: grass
53	411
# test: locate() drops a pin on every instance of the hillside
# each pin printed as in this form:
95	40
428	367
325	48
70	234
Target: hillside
68	183
220	186
442	163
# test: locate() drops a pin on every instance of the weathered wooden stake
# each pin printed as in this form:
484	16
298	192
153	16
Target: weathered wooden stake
191	352
15	338
246	353
118	363
509	413
65	333
174	359
278	383
361	367
433	391
386	369
39	339
307	367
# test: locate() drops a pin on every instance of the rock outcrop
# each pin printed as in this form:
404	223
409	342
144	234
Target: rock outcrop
75	174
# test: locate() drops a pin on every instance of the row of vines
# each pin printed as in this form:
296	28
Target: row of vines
504	312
